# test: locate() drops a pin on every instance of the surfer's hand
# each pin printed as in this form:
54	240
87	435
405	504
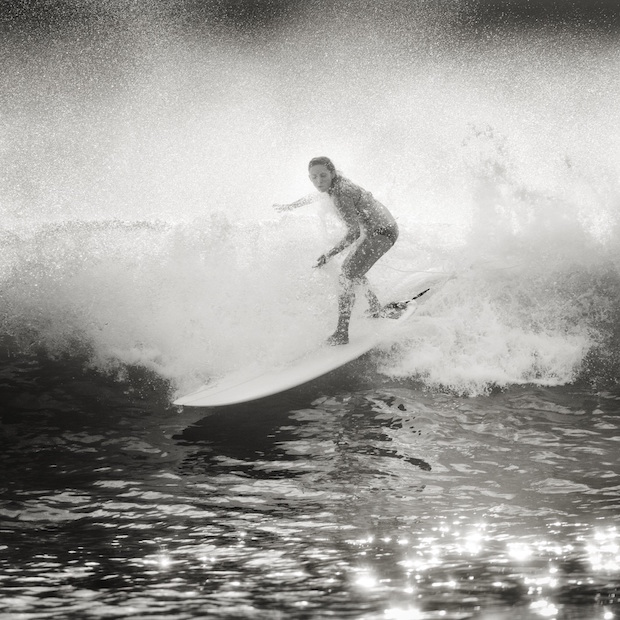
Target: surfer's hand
322	260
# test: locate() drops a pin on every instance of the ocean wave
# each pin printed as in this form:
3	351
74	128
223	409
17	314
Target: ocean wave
196	301
136	221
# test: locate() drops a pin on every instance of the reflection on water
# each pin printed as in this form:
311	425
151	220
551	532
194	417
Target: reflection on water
387	503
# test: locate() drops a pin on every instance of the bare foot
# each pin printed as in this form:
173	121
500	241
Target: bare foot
394	310
374	313
338	338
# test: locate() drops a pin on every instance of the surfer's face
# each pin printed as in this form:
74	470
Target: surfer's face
321	177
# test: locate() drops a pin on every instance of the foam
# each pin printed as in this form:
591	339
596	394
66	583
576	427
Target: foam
136	218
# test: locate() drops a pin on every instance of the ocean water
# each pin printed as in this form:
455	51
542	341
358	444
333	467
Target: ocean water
467	470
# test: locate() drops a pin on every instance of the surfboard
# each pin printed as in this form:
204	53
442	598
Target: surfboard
245	387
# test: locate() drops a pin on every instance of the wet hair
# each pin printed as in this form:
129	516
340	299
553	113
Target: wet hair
323	161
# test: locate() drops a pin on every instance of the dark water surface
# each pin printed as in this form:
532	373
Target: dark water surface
336	500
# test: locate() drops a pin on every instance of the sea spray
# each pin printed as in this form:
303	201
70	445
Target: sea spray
139	166
195	303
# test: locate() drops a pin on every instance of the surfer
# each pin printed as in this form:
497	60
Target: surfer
370	226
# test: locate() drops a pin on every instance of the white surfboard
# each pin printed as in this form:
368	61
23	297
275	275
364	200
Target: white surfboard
243	388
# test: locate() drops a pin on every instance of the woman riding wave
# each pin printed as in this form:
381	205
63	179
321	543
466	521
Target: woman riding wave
371	230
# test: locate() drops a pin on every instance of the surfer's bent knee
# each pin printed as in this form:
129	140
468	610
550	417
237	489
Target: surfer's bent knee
390	232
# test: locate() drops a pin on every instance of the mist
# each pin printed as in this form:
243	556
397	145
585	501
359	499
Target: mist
141	150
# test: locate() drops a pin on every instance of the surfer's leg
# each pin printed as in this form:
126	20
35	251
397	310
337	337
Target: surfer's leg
354	268
359	262
374	305
346	299
365	255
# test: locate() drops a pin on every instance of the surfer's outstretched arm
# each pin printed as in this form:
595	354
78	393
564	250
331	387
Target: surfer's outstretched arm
306	200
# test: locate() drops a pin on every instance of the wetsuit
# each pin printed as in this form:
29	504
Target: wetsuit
359	210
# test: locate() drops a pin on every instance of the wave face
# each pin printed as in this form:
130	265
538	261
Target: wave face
138	165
